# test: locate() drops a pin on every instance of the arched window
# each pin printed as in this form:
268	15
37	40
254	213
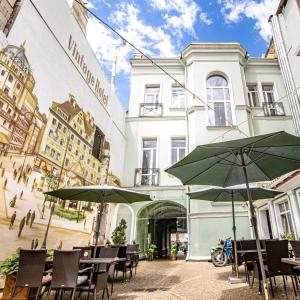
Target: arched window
218	99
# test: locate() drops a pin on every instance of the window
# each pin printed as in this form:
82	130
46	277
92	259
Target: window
14	97
59	125
286	218
218	98
253	95
72	137
149	153
18	86
178	97
52	153
2	73
47	149
65	130
178	150
268	93
70	147
66	162
58	156
10	79
6	90
61	142
78	142
53	121
152	94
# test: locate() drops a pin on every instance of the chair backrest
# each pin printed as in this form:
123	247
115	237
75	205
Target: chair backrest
132	248
296	248
108	252
65	268
263	242
122	252
31	267
276	250
248	245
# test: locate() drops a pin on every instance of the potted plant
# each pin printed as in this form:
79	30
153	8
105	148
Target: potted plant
151	251
174	252
9	269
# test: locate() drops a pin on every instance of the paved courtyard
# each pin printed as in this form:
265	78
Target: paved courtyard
166	280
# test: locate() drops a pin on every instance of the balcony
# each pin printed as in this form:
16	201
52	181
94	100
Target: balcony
151	109
146	177
273	109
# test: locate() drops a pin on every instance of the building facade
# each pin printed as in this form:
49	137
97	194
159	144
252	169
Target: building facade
21	122
234	96
287	46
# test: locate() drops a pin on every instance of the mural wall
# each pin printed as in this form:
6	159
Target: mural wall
53	137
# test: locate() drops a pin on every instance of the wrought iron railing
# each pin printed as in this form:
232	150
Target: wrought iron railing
151	109
273	109
145	176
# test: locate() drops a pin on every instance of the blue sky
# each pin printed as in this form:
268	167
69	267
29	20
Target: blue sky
162	28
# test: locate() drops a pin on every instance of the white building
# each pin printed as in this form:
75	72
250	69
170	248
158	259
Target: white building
164	122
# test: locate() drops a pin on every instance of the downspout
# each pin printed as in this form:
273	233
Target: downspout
188	204
289	83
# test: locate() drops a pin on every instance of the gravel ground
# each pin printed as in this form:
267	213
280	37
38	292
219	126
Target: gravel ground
164	280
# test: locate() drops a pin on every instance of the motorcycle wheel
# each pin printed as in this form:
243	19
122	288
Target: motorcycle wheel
219	258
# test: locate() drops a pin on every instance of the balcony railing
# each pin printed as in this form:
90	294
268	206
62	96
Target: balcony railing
273	109
151	109
146	176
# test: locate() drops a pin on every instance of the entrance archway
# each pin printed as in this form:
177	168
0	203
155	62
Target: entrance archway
159	223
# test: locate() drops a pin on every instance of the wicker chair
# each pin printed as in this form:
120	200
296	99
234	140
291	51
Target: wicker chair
30	273
126	265
134	258
296	248
65	271
276	250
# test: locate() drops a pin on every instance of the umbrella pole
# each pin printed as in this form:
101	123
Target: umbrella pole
99	217
254	224
234	238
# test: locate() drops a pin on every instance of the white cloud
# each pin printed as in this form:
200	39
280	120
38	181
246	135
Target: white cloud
153	41
180	15
235	10
205	18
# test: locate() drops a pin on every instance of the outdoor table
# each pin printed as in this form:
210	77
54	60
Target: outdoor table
250	251
100	260
291	261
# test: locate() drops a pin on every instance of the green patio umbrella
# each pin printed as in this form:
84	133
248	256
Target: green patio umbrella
233	194
253	159
100	194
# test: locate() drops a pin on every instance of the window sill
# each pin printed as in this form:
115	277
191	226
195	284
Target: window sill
212	127
177	108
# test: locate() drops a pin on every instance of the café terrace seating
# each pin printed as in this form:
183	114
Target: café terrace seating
74	271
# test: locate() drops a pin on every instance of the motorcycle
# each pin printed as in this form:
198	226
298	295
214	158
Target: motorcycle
221	254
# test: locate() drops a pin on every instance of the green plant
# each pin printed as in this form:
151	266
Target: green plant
174	249
289	237
11	265
119	235
152	248
68	214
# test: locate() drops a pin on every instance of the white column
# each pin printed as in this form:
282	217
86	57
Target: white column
295	211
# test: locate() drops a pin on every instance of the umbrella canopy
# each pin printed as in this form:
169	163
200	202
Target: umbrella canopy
100	194
97	193
253	159
266	157
239	194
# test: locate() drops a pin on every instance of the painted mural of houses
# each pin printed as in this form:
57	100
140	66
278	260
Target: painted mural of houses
73	147
21	123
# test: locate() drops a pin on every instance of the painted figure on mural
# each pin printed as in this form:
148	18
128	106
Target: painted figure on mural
12	220
28	215
32	218
21	226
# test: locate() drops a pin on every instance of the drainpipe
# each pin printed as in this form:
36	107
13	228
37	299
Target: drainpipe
188	204
289	83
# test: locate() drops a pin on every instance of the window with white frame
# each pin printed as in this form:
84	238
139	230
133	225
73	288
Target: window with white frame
178	97
286	218
268	92
152	94
178	149
218	99
149	153
253	94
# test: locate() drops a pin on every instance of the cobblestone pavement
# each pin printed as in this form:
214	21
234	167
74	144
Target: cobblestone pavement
164	280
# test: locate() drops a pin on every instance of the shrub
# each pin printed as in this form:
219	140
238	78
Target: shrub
70	215
119	236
